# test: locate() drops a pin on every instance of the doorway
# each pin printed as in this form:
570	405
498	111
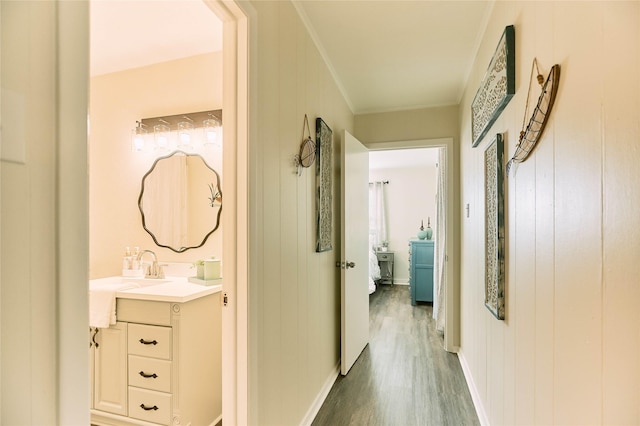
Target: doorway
437	154
72	25
162	76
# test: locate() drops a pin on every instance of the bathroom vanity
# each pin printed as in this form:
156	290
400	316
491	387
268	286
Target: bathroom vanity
160	364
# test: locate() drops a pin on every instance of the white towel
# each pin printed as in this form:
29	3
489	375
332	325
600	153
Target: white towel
102	303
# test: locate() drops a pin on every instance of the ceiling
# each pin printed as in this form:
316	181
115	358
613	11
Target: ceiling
391	55
385	55
134	33
403	158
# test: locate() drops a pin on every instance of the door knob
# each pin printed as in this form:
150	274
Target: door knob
351	265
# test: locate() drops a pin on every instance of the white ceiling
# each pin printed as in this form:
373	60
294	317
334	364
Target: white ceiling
385	54
134	33
403	158
392	54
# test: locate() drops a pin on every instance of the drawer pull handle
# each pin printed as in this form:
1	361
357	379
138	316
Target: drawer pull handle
146	342
154	408
94	338
148	376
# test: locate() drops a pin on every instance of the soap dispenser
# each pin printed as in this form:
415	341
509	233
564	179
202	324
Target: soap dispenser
126	260
135	263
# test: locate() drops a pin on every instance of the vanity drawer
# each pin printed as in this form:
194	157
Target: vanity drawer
144	311
149	340
150	373
150	406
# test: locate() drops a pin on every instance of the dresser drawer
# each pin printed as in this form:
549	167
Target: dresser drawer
149	340
150	373
150	406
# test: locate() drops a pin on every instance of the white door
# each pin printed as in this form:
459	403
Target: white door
354	192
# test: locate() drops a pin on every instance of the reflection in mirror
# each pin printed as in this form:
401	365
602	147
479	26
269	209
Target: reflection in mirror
180	201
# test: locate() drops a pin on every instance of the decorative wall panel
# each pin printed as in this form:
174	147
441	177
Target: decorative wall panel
324	182
497	87
494	227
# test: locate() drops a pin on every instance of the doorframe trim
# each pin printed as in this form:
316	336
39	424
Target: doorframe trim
240	122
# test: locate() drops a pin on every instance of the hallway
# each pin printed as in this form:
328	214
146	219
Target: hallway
403	377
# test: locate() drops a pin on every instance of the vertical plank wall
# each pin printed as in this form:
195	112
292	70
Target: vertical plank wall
28	318
567	352
298	312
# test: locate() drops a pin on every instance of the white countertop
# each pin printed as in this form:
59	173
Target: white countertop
169	289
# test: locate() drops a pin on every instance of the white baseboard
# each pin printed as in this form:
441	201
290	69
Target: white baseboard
473	390
216	421
401	282
322	395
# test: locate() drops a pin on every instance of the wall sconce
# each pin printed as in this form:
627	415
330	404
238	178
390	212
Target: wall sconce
178	132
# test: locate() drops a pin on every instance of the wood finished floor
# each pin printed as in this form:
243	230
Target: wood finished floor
403	377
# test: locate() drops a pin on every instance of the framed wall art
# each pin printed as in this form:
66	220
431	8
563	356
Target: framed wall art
494	227
324	185
497	87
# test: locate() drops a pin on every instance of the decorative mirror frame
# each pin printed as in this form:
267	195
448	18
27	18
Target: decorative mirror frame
494	298
144	224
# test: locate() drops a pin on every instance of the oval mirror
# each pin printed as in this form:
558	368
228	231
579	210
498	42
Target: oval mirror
180	201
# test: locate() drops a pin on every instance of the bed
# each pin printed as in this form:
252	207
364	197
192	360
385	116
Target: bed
374	270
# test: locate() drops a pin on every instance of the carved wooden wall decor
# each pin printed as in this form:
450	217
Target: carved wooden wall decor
324	182
494	227
497	87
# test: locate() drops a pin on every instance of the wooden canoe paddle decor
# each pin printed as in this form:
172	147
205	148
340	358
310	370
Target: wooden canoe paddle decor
530	136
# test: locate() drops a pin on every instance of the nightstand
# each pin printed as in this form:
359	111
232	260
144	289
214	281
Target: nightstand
385	261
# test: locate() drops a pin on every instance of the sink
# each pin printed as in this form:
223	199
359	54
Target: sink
144	282
134	281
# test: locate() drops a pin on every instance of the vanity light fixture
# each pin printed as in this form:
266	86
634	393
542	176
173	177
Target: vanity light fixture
212	127
161	135
185	134
139	138
188	132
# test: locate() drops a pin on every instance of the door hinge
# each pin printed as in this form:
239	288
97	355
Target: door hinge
225	299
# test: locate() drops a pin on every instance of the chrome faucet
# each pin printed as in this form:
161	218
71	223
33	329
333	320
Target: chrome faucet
154	270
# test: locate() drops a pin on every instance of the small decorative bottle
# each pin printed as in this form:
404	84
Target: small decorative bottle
429	231
422	234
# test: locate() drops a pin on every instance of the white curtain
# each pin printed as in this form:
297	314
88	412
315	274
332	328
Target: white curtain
377	215
165	193
439	266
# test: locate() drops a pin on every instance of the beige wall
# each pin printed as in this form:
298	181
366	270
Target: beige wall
117	100
44	226
298	290
410	197
28	189
567	352
415	124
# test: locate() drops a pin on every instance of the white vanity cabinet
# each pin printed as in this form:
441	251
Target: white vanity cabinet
162	365
109	360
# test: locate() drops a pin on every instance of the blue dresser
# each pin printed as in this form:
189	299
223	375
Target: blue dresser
421	270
